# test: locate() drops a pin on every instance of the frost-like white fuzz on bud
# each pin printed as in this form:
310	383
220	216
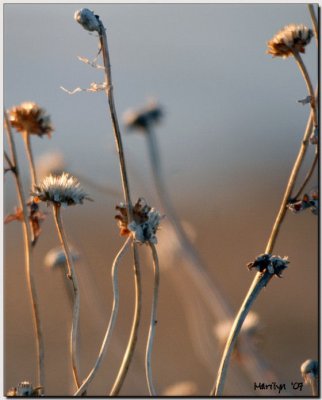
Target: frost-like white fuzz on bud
88	20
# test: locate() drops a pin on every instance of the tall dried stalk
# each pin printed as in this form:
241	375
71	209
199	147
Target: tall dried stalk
112	321
76	306
26	139
27	235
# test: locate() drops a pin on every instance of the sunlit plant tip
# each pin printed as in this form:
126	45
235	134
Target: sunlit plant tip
60	190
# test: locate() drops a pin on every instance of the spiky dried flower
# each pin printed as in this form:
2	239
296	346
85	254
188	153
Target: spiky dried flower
88	20
145	222
292	38
60	190
272	264
141	119
29	117
310	370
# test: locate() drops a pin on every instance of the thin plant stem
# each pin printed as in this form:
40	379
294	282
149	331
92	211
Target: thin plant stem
135	325
314	21
40	348
308	83
126	190
71	274
26	139
153	321
11	166
308	176
112	320
261	279
314	386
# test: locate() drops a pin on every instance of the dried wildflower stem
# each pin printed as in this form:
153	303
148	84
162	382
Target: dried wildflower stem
153	321
126	189
308	83
76	306
135	326
116	128
112	321
26	139
261	279
314	22
28	260
314	386
11	166
308	176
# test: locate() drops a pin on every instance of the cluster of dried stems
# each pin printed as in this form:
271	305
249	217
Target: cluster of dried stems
64	190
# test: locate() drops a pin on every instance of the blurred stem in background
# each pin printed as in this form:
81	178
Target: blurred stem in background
282	46
144	121
27	236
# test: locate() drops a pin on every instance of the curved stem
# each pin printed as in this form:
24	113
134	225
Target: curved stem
260	280
314	22
26	139
112	321
76	306
153	321
135	326
308	83
308	176
40	348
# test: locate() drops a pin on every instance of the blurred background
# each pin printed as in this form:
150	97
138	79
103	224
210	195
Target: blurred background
231	130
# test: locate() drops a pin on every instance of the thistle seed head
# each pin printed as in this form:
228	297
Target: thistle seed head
88	20
275	265
60	190
292	38
29	117
145	222
310	370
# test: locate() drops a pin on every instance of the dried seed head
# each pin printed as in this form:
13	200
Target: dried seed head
292	38
25	389
272	264
141	119
182	389
88	20
60	190
29	117
56	257
310	200
310	370
145	222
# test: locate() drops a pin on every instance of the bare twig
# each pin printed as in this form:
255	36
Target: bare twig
28	260
308	176
314	22
76	306
153	321
112	321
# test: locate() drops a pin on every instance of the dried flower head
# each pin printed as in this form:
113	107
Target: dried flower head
268	263
141	119
60	190
182	389
56	257
310	200
145	222
292	38
88	20
29	117
24	389
310	370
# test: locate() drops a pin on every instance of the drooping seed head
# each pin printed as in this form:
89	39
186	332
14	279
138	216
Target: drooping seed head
29	117
145	222
292	38
88	20
60	190
142	118
310	370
